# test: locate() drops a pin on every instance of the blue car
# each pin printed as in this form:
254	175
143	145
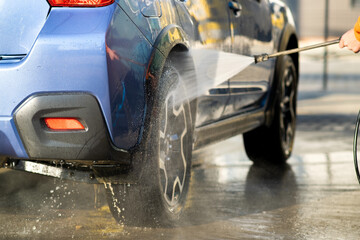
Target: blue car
110	91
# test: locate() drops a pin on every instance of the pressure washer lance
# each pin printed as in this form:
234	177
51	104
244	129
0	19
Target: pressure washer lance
264	57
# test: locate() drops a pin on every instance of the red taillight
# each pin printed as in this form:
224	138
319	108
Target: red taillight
80	3
64	124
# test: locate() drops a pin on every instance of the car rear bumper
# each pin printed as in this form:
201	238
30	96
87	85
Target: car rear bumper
59	62
36	141
69	56
40	142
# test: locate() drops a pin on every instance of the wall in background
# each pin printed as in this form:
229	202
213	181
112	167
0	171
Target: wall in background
310	14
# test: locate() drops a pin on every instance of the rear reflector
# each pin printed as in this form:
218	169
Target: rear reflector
80	3
64	124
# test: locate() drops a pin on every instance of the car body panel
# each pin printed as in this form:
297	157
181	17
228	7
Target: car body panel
11	144
70	56
18	34
116	54
152	24
207	22
283	23
252	35
128	54
151	8
38	72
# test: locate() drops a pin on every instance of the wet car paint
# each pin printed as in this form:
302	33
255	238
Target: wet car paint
128	53
50	51
125	41
209	24
251	34
19	33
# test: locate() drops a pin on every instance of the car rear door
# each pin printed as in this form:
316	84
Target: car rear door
251	32
21	22
207	24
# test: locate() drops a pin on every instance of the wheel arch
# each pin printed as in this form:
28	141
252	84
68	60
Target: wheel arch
288	40
172	39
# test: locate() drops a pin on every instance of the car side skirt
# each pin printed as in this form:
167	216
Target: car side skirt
223	129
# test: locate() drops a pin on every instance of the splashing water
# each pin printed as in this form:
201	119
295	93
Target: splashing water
205	69
116	201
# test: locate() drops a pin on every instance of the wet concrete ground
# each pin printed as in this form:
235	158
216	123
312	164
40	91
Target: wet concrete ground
314	196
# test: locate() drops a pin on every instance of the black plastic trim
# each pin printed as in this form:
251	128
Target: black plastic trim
42	143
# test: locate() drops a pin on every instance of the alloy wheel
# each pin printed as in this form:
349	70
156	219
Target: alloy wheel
288	109
172	158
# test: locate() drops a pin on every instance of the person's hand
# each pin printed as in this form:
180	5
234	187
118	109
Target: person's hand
349	40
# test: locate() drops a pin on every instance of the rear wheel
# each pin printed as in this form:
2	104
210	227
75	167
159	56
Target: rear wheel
274	143
159	197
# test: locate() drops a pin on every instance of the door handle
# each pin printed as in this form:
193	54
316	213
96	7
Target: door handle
235	7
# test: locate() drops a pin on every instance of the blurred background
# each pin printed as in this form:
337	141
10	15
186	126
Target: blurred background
326	69
310	16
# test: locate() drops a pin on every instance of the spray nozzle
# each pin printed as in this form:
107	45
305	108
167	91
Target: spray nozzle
261	58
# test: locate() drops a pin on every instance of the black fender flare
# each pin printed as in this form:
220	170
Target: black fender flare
288	40
170	38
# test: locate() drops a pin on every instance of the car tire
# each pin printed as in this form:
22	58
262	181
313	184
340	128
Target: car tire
274	143
158	199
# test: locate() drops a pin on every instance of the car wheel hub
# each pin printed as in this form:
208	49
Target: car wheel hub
287	110
172	159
